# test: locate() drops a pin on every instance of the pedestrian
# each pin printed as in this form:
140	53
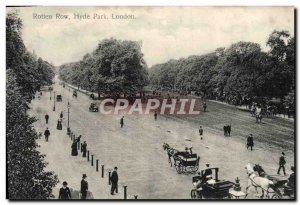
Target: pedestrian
291	180
84	186
47	134
41	93
61	115
122	121
204	106
282	163
47	118
84	145
155	115
59	125
74	148
64	192
114	181
250	142
201	132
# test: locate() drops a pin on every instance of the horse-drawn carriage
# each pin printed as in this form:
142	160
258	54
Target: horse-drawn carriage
92	96
74	94
278	189
211	188
93	107
186	162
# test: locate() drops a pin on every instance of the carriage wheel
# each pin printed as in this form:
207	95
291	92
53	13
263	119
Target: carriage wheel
194	194
179	168
195	169
275	196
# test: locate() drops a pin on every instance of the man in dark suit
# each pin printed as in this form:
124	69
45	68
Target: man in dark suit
47	118
291	179
282	163
114	181
84	187
250	142
201	132
47	134
122	122
64	192
207	172
84	145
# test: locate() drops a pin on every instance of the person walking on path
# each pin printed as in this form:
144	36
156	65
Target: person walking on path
74	148
250	142
122	121
201	132
84	145
59	124
84	187
282	163
47	118
204	106
155	115
64	192
114	181
47	134
61	115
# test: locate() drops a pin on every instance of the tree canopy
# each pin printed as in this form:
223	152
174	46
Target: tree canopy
114	67
25	74
241	70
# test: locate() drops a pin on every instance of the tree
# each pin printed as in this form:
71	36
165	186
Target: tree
115	67
25	165
26	178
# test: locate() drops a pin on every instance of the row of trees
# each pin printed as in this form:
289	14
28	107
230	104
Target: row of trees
115	67
241	71
25	74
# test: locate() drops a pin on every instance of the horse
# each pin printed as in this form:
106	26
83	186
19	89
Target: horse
257	182
170	152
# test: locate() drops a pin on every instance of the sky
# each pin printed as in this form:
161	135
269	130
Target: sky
165	32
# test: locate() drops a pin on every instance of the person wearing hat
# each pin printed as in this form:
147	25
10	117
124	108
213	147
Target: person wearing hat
84	145
47	134
64	192
282	163
208	171
201	132
84	187
291	180
250	142
122	121
114	181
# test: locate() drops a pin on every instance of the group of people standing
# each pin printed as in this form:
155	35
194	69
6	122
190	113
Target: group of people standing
59	125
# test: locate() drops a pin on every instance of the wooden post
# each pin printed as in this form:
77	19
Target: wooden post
102	174
125	192
97	165
88	156
92	161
